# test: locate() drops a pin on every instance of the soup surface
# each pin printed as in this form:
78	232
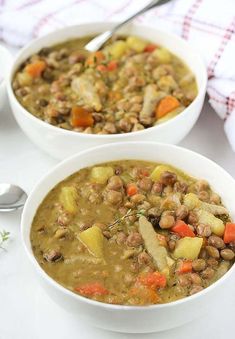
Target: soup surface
133	233
127	86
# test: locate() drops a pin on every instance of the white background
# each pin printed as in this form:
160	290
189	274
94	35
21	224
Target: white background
26	312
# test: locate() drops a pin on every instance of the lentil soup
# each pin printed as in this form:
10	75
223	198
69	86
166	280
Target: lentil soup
129	85
133	233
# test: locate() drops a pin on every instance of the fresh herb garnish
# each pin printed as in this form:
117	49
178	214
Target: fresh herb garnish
4	236
129	213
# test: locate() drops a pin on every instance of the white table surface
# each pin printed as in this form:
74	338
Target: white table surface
26	312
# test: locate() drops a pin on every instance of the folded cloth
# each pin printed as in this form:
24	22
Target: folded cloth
208	25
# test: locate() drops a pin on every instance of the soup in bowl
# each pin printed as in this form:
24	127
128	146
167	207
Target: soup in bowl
119	240
146	84
127	86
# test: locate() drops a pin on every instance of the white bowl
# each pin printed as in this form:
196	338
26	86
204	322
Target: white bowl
5	65
133	319
61	143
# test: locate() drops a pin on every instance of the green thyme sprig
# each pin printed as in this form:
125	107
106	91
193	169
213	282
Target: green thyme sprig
128	214
4	236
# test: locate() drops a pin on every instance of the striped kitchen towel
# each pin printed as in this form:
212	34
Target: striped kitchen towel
208	25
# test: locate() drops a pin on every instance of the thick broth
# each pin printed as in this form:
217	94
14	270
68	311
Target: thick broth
129	85
116	264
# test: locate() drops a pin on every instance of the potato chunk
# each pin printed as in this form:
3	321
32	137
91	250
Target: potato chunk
137	44
188	248
163	55
93	239
24	79
191	201
158	171
68	197
100	174
207	218
117	49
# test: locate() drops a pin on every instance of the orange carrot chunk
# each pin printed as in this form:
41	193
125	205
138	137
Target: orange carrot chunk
80	117
144	294
99	56
92	289
95	58
131	189
112	65
150	48
102	68
166	105
182	229
36	68
229	233
152	280
185	267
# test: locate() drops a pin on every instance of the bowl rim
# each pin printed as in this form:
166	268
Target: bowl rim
117	136
61	288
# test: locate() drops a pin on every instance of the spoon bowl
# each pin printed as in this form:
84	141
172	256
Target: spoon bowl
12	197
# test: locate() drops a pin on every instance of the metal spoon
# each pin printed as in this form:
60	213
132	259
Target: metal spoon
11	197
96	43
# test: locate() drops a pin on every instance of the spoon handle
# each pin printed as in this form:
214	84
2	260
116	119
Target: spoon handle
96	43
152	4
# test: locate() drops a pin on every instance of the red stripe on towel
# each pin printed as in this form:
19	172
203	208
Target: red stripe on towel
188	18
229	31
28	4
43	21
119	10
230	105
